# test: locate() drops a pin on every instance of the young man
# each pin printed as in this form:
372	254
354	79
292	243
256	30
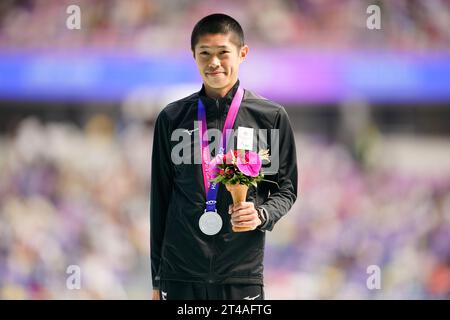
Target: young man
192	259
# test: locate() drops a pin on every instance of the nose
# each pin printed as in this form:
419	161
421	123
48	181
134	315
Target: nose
214	62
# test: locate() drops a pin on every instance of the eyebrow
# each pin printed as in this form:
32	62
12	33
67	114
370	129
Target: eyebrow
207	47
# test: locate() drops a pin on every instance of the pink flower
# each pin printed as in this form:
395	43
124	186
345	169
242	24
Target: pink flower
213	166
250	164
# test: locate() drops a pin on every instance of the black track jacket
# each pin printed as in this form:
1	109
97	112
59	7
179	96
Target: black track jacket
179	250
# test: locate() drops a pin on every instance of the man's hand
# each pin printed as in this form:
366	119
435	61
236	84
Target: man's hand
156	295
244	215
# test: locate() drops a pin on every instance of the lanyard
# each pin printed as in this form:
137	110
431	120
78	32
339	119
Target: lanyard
204	147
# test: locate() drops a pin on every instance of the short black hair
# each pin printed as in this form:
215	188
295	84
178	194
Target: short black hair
217	23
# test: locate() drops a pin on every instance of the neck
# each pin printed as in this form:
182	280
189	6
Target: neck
216	93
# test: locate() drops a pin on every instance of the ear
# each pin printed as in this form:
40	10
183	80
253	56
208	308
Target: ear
243	53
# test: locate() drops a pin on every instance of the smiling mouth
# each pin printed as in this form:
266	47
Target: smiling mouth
213	73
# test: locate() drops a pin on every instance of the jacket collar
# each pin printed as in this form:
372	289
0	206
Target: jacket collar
225	101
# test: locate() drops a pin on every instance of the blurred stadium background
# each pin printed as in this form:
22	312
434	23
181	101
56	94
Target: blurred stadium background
370	110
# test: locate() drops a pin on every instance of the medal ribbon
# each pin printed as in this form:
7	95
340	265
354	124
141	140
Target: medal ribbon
204	147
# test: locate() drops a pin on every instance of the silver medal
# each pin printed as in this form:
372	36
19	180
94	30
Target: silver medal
210	223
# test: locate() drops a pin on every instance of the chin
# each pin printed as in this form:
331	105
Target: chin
217	85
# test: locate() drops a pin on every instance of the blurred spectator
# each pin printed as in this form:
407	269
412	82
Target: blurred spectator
157	25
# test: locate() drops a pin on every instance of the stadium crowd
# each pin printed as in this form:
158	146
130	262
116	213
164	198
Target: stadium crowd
165	25
78	196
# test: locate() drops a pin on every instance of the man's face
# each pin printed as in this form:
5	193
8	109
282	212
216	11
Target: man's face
218	59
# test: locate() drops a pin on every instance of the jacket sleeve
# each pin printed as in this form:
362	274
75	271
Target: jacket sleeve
283	196
160	191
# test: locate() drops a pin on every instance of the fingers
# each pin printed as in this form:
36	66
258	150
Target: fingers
249	223
247	220
239	206
242	218
156	294
244	214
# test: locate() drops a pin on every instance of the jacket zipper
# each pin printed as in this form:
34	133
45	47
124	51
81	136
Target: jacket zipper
211	273
218	114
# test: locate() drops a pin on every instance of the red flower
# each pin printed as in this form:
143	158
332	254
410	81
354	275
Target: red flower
229	172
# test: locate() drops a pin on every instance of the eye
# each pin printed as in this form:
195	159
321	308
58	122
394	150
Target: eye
204	53
224	52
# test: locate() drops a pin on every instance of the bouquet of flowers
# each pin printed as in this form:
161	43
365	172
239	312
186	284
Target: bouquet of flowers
237	170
